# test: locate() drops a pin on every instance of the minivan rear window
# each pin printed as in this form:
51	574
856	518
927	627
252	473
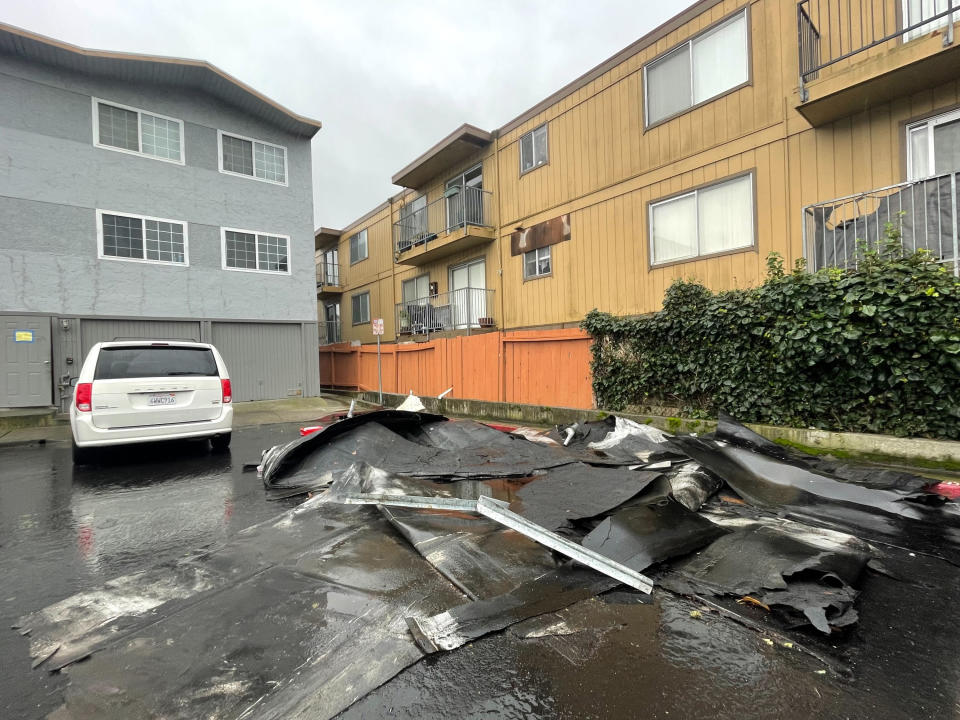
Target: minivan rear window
154	361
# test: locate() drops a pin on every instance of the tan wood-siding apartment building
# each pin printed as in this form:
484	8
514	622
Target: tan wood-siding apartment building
738	128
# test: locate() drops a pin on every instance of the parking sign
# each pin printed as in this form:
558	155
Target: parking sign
378	326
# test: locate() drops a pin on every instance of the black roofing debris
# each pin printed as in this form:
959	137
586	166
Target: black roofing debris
363	591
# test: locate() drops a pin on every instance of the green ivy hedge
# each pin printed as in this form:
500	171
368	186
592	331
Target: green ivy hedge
875	349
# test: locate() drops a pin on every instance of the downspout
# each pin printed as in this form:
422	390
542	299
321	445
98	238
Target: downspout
502	365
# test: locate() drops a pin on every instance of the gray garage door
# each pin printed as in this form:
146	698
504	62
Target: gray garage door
94	331
265	360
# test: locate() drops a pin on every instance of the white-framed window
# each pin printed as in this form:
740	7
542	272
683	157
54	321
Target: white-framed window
933	146
139	238
706	221
138	132
253	251
252	158
358	246
916	11
360	308
537	263
533	149
700	69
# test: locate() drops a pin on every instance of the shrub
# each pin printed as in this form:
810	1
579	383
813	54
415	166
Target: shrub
876	349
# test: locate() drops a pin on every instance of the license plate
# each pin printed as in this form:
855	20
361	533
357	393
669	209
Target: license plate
162	399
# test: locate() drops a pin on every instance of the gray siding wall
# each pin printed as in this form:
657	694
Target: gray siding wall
52	180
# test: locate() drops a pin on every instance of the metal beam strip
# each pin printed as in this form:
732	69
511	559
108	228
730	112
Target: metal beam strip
499	511
409	501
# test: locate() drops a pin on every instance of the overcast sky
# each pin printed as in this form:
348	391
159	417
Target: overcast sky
388	78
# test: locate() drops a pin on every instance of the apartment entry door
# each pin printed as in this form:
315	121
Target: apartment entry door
468	283
464	195
26	357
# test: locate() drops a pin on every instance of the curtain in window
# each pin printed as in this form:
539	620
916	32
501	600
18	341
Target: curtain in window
726	216
668	85
720	60
674	229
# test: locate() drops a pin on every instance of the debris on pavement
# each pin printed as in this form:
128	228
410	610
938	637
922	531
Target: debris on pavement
427	533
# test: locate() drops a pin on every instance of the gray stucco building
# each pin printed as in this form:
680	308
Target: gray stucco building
150	197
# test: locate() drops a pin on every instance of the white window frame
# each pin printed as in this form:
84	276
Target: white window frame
102	256
741	13
253	159
929	124
353	320
366	246
695	192
537	275
257	233
139	153
533	148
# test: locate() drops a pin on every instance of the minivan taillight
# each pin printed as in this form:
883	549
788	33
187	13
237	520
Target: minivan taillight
225	386
84	397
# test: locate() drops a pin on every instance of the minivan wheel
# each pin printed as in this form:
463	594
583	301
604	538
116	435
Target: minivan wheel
220	442
81	455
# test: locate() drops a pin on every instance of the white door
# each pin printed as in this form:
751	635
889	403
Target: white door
468	299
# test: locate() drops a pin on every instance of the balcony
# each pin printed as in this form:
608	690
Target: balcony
925	212
855	54
328	279
466	309
329	332
460	220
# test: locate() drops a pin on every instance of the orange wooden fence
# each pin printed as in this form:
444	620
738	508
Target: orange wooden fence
538	367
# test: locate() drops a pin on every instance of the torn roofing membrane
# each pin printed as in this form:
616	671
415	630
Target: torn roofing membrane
729	430
335	599
819	499
409	444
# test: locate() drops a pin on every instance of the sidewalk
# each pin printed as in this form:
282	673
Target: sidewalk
245	414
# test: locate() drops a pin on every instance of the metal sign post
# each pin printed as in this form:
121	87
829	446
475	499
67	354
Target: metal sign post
378	331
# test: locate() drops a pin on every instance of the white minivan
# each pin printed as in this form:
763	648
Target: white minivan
135	391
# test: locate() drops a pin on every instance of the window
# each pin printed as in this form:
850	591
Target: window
331	267
358	246
118	127
360	308
120	363
916	11
257	252
700	69
933	146
416	289
145	239
536	263
253	158
710	220
533	149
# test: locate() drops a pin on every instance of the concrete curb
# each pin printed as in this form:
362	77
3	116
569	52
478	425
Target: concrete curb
920	451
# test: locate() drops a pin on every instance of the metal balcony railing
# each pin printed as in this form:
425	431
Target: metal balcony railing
328	274
924	212
459	207
830	31
463	309
331	332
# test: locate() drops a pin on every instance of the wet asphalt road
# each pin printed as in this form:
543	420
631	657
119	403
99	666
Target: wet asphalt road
66	530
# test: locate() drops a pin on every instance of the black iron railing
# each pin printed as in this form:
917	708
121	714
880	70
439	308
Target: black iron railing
830	31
